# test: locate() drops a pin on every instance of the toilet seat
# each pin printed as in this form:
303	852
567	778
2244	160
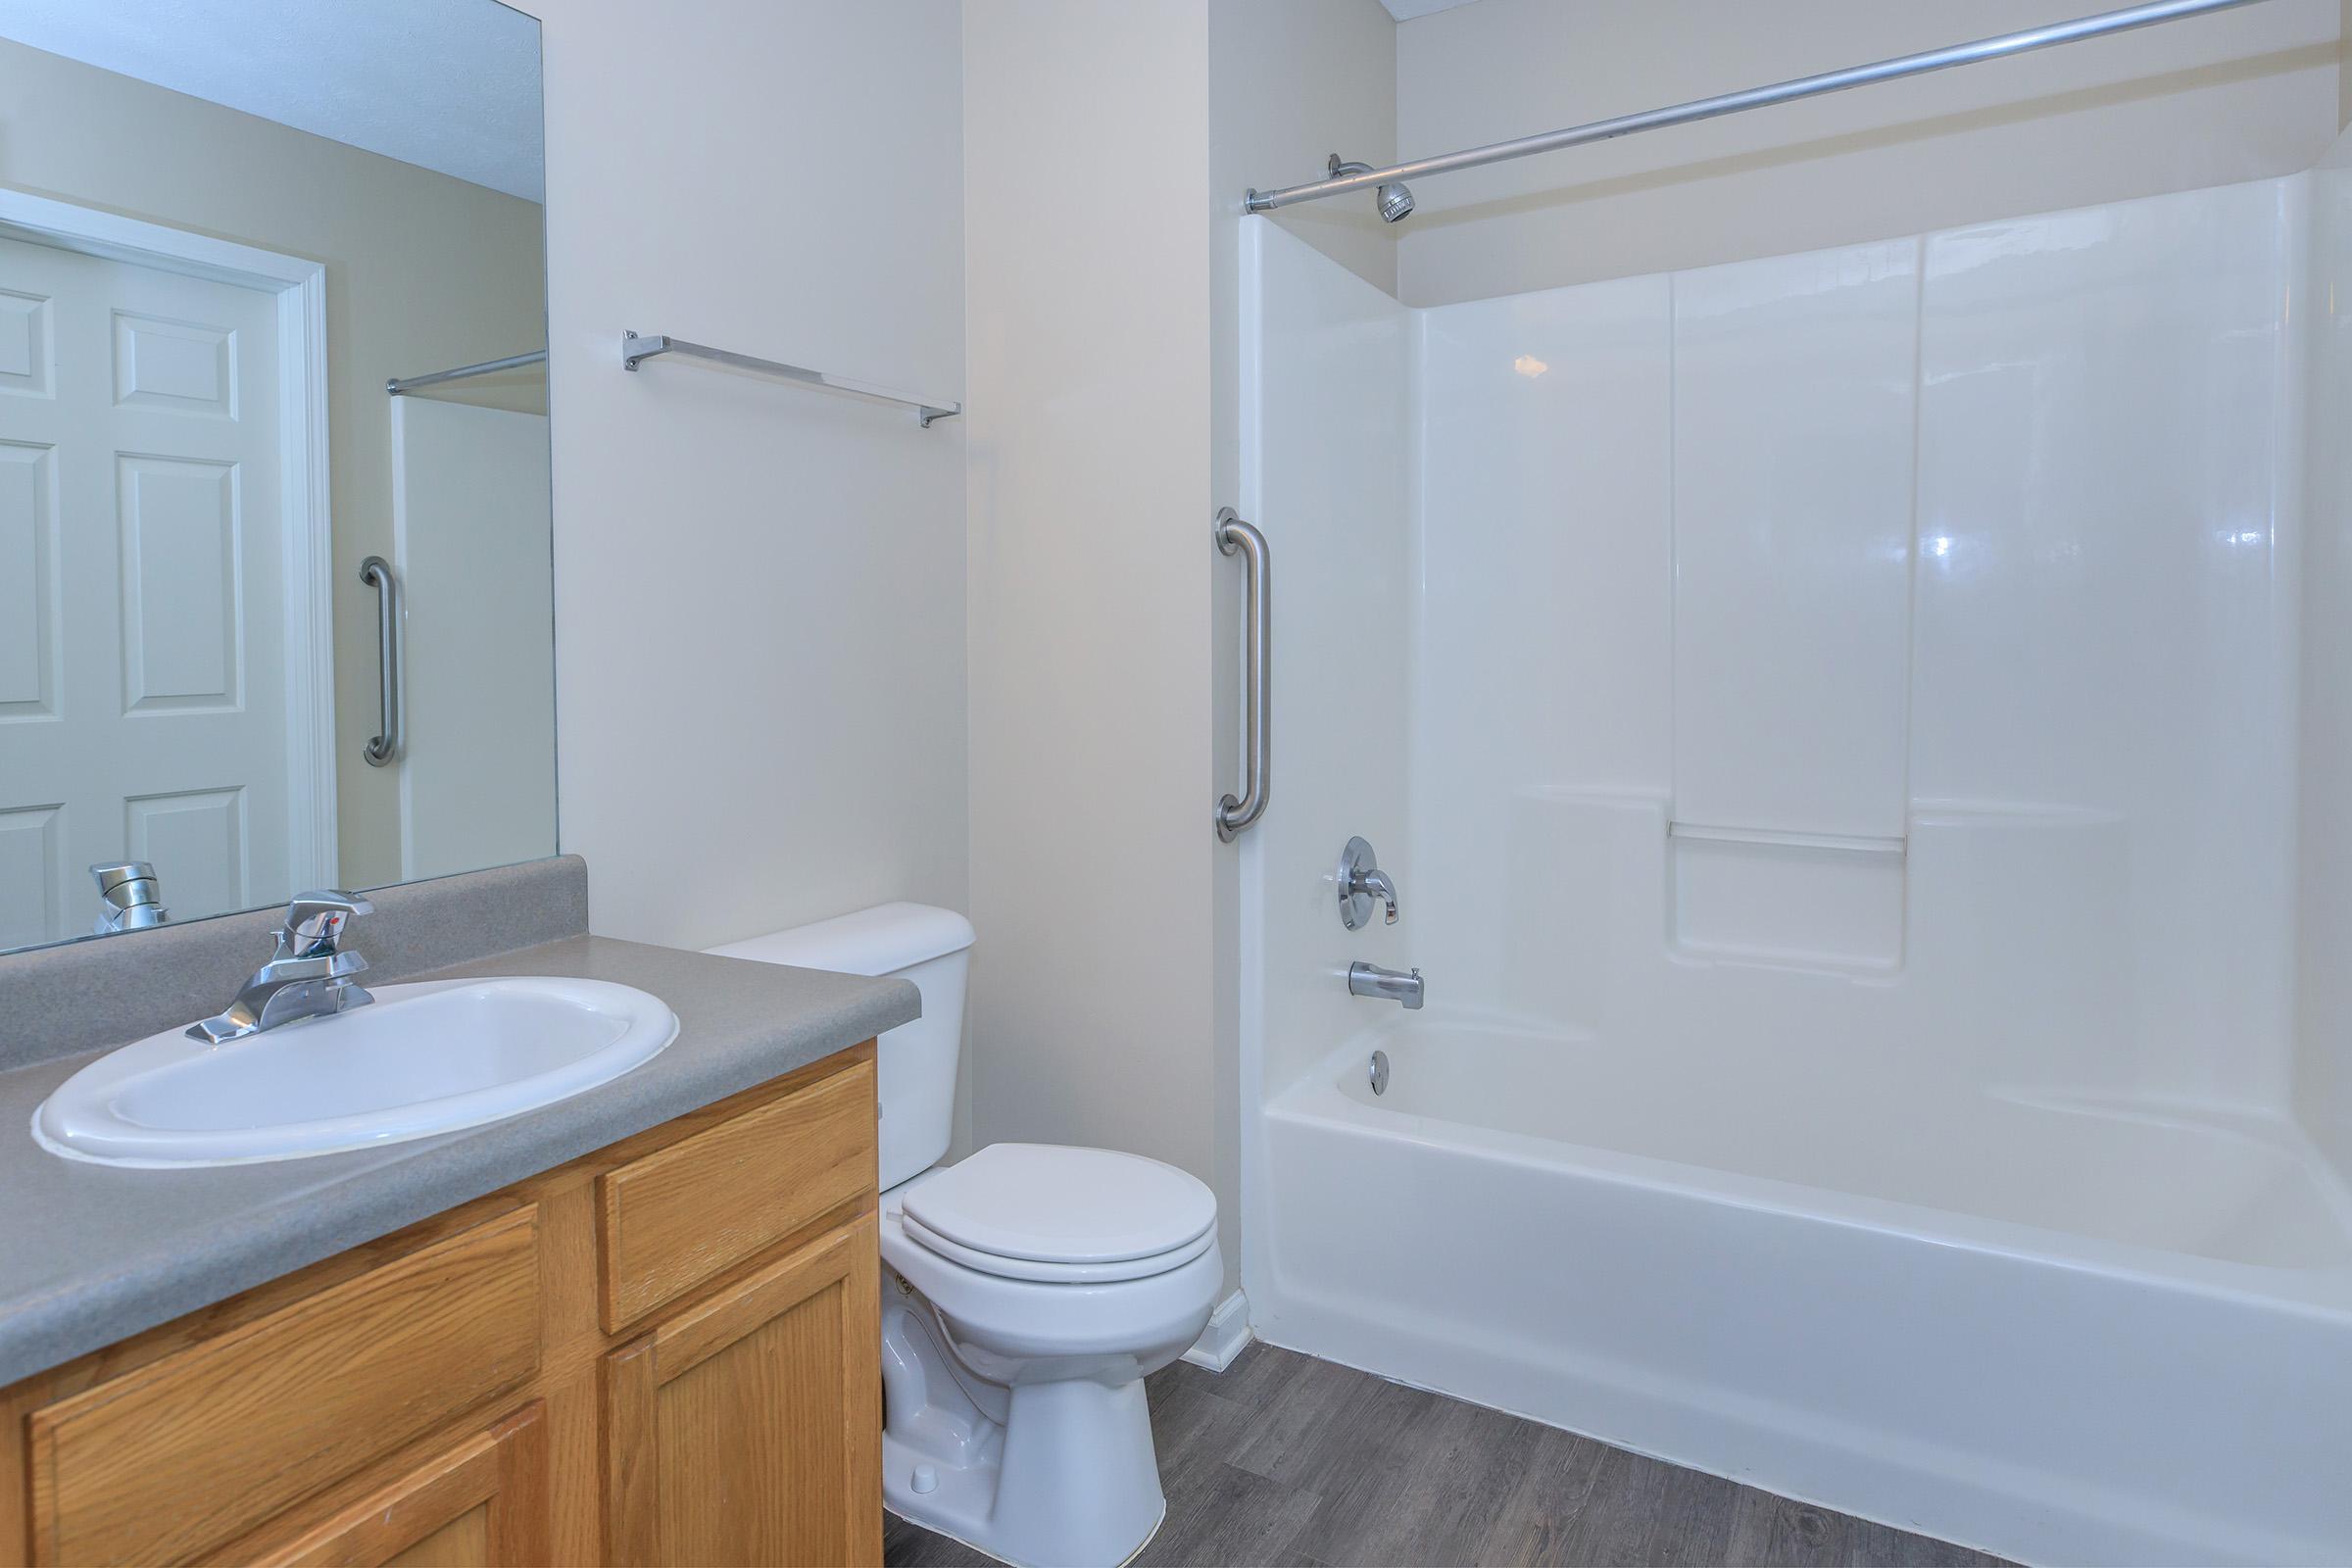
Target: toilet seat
1026	1269
1062	1208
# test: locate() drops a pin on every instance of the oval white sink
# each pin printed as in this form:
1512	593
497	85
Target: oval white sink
421	1059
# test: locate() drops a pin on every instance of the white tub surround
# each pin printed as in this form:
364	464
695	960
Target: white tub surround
1836	740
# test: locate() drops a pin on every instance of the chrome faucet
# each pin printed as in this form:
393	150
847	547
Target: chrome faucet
308	977
1371	980
1361	880
134	898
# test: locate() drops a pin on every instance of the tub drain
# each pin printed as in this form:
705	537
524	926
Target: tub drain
1380	1072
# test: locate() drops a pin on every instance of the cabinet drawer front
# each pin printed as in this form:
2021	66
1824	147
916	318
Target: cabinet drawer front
688	1212
199	1448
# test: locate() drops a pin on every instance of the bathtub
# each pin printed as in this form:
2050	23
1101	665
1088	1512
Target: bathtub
2066	1330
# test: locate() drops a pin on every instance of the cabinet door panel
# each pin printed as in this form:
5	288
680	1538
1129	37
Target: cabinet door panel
461	1542
482	1502
746	1430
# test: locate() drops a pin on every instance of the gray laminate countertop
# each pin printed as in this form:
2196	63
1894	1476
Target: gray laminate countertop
91	1253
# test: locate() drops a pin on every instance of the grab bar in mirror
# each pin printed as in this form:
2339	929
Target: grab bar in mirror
635	350
376	572
1233	815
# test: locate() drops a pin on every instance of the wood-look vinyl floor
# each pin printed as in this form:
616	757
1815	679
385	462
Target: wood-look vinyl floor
1285	1459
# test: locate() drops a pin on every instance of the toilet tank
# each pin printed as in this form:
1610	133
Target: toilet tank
914	1065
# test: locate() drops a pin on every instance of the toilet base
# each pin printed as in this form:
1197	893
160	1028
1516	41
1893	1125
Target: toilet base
1067	1480
1100	1520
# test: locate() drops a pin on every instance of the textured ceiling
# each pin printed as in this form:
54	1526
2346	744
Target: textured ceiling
449	84
1408	10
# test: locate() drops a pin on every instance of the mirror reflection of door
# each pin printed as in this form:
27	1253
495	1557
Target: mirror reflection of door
145	592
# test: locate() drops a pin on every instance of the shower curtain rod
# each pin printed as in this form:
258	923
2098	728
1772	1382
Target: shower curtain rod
513	362
1733	103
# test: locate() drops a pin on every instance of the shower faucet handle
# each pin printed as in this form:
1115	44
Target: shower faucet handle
1361	880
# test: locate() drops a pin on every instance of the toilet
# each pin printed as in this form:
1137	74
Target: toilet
1027	1290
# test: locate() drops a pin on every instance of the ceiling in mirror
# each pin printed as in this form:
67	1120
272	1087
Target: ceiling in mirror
451	85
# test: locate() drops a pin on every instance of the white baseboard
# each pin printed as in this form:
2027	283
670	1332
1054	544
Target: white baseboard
1227	1332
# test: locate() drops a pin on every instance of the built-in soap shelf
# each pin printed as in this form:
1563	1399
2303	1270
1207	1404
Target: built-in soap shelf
1816	901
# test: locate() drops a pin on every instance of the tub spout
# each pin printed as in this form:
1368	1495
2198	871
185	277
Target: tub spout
1371	980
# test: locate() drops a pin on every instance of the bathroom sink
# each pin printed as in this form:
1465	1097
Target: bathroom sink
421	1059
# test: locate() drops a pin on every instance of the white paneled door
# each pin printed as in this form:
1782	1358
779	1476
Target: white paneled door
142	589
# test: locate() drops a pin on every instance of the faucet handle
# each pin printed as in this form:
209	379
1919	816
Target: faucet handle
112	874
315	922
1362	881
132	897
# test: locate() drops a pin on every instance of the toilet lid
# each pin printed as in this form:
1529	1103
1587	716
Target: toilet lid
1050	1203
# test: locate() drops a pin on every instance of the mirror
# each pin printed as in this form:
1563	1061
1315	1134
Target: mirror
268	623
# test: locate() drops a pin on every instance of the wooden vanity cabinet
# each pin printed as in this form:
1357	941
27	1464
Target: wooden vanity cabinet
667	1352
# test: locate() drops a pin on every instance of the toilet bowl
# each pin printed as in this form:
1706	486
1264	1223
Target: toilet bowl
1014	1408
1027	1290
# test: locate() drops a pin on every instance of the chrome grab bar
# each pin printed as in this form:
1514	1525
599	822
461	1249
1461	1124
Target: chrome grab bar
1233	815
376	572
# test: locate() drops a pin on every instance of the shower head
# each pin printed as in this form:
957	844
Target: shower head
1394	199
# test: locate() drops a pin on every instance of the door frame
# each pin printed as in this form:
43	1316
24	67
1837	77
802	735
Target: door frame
308	541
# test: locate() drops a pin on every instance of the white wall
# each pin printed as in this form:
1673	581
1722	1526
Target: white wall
2202	102
758	589
763	596
1086	169
1102	437
1289	85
